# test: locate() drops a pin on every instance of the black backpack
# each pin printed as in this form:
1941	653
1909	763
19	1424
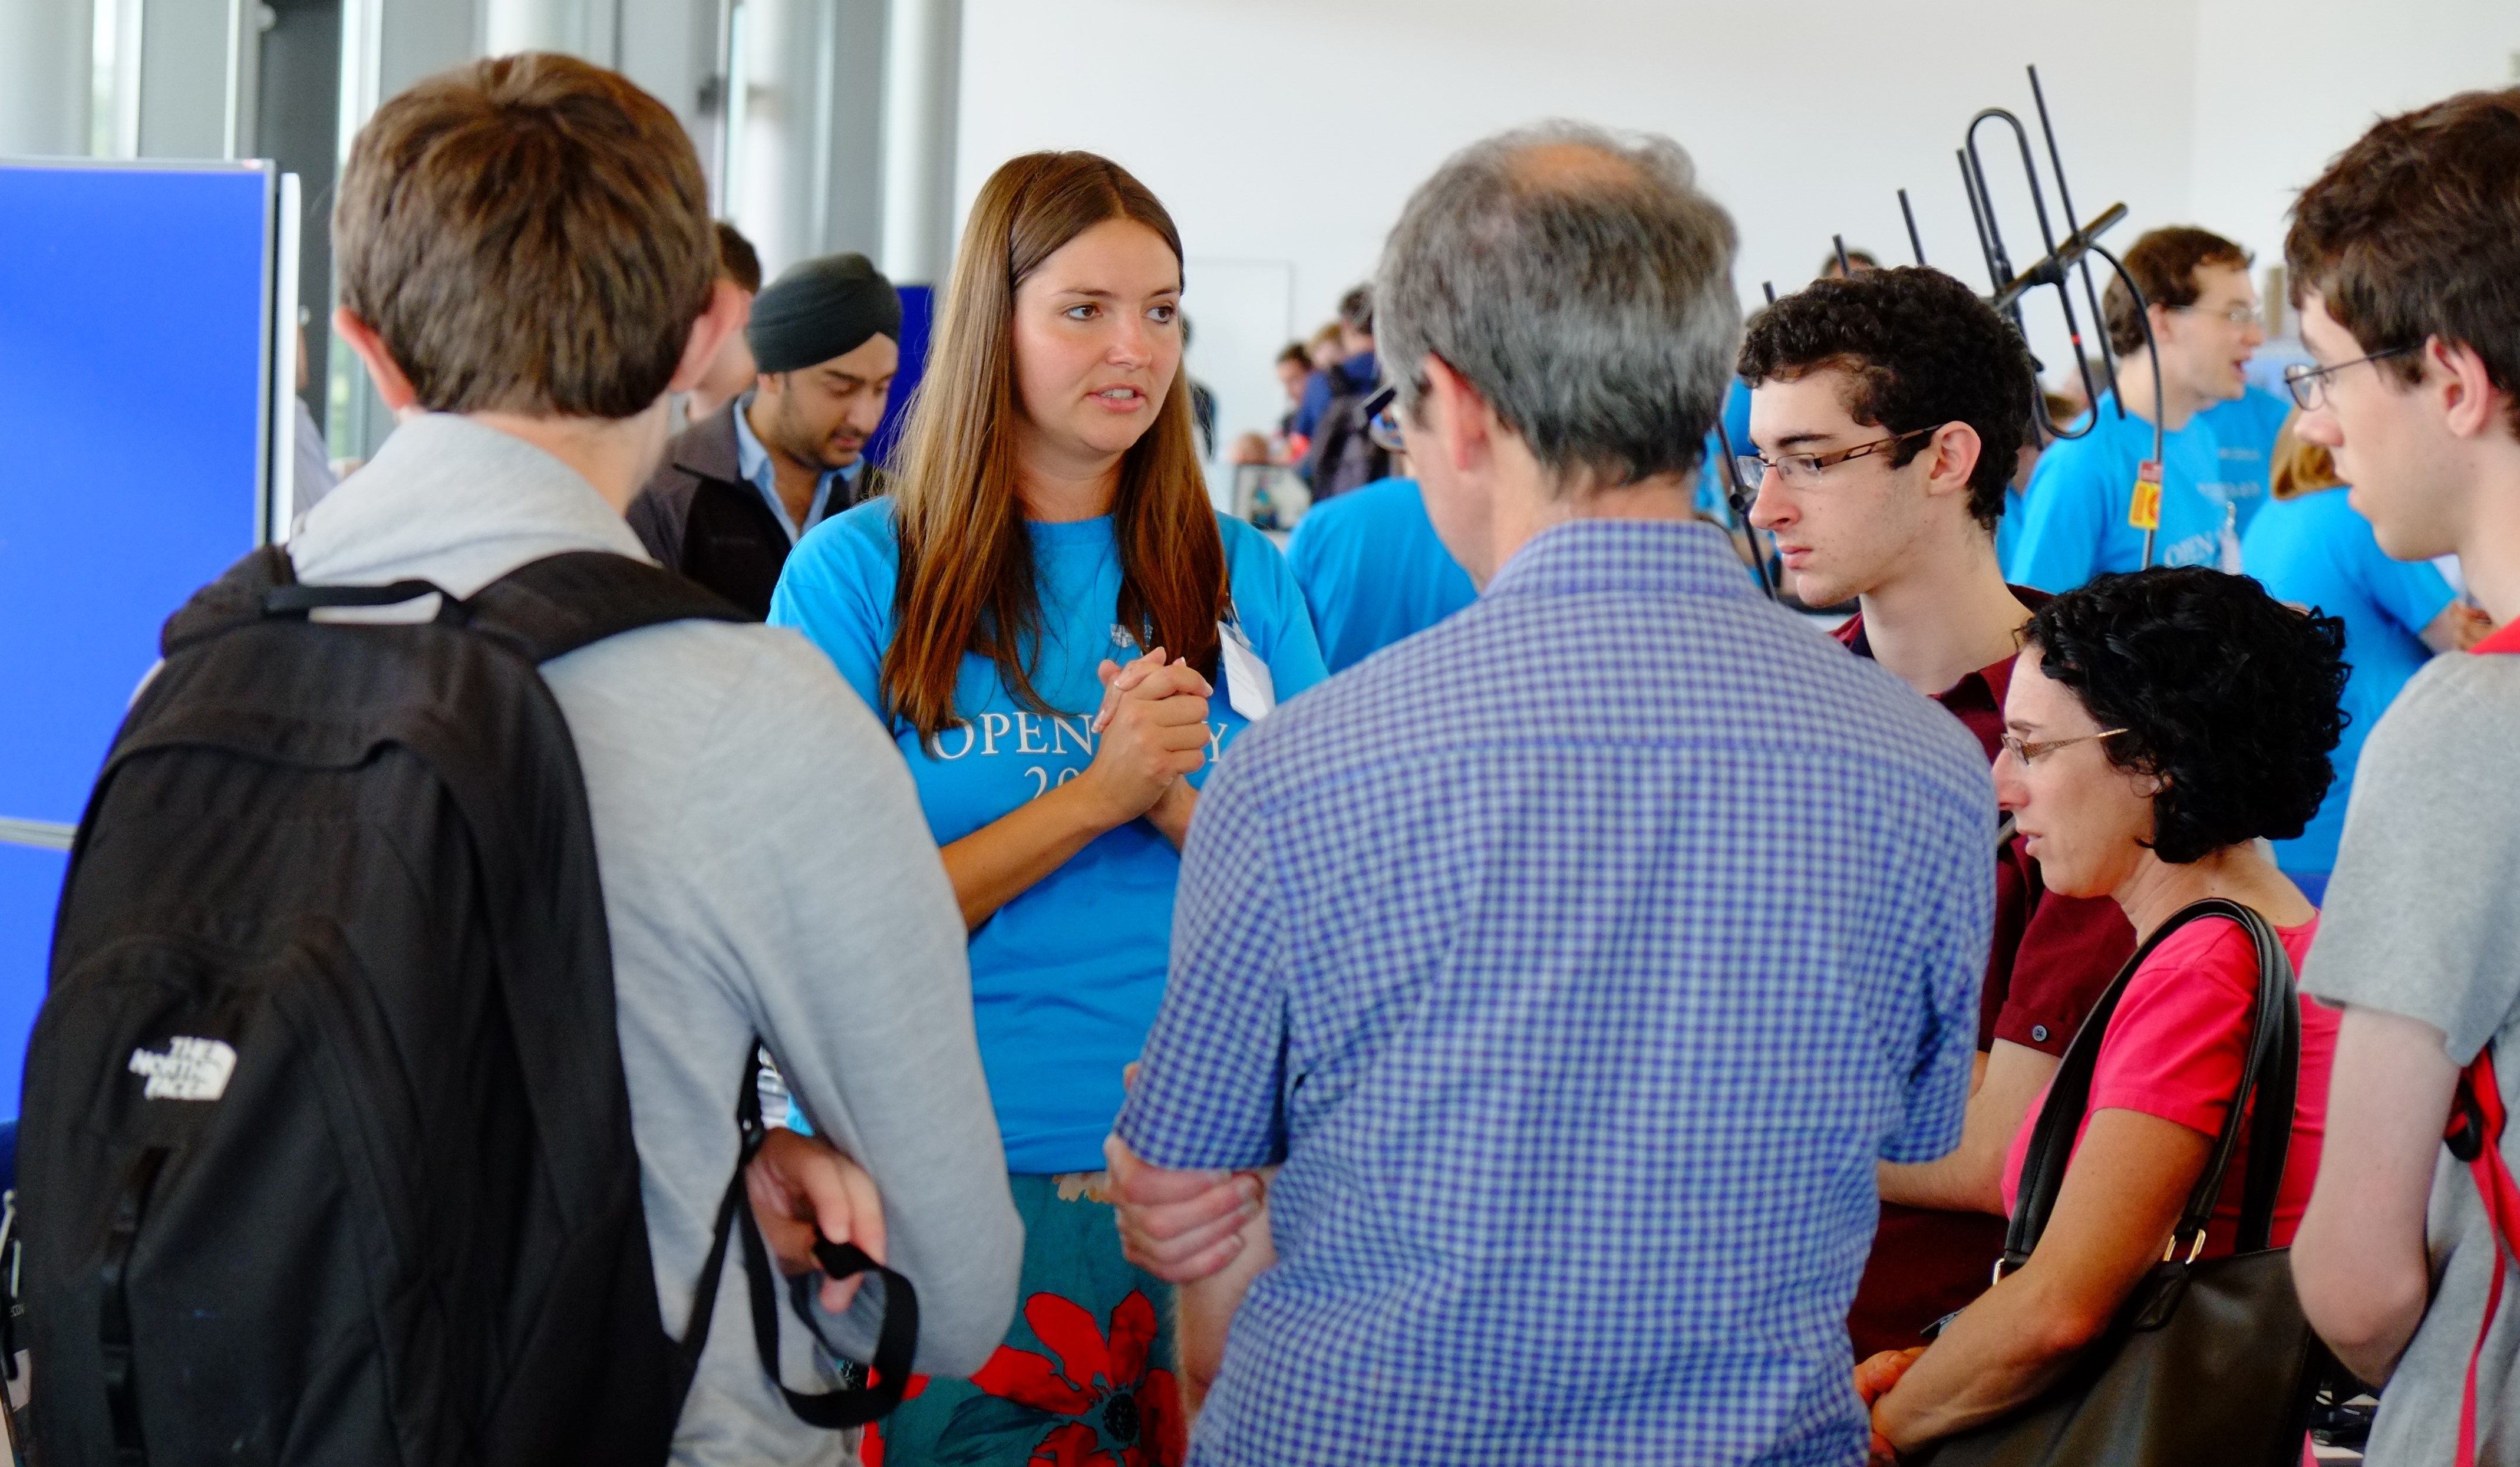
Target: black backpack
326	1151
1344	455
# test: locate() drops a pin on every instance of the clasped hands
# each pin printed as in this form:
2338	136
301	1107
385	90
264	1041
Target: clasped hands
1152	731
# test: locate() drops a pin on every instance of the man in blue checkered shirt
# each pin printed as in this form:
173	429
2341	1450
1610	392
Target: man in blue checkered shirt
1580	957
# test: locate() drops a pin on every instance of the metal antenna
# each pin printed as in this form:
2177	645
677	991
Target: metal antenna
2065	198
1916	241
1738	495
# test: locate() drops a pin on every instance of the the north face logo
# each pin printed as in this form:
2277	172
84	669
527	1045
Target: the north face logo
190	1070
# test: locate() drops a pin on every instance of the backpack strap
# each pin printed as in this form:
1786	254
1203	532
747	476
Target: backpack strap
233	600
2474	1136
896	1337
2269	1075
552	606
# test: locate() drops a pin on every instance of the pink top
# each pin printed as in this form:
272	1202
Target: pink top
2175	1048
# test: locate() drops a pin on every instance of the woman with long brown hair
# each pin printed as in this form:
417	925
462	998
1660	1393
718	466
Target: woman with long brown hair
1062	634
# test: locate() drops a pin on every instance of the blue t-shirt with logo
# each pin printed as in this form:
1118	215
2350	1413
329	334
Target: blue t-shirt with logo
2318	551
2074	515
1373	571
1065	979
2244	445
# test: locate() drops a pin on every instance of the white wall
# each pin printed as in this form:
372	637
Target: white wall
2283	86
1293	130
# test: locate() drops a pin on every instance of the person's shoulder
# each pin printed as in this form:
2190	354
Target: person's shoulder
862	537
2213	947
1248	551
2456	706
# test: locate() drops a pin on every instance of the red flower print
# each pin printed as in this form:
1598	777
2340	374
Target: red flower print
1105	1404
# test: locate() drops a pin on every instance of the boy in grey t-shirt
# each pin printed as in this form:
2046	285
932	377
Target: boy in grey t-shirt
2402	256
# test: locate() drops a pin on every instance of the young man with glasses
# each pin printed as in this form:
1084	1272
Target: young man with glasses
1885	414
2203	316
2403	257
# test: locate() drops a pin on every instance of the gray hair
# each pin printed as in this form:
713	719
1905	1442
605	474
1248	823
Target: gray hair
1589	301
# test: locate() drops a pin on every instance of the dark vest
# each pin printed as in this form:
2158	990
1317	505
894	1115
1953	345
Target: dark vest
700	516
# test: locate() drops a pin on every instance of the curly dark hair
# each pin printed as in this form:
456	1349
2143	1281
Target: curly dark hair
1921	350
2227	695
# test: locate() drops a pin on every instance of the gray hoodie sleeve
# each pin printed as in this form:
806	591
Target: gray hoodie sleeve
837	901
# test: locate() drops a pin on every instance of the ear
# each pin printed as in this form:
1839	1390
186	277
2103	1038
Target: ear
1954	449
1460	424
391	383
728	309
2473	406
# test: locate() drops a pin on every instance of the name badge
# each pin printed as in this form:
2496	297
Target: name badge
1247	688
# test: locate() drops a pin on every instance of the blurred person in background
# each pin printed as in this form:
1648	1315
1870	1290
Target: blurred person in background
1294	369
1371	566
740	487
1857	260
2059	410
2312	548
1344	454
1336	371
732	370
2202	313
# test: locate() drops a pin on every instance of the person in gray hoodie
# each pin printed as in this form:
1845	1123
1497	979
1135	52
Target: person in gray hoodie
527	270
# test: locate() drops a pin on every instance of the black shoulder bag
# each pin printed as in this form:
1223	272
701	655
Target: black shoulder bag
2206	1362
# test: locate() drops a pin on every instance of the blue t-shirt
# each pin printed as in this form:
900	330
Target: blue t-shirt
1065	978
2317	551
2074	515
2244	445
1373	571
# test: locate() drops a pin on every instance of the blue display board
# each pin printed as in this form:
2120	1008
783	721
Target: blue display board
918	321
135	389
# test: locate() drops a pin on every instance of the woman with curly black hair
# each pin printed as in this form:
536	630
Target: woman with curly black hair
2158	726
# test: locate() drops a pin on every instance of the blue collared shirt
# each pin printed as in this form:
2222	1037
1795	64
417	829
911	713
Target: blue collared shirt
755	461
1578	957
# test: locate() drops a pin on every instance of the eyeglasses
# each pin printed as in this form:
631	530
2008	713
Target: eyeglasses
1382	420
1802	471
2307	382
2237	315
2029	752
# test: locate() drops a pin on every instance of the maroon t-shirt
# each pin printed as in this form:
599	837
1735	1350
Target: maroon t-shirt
2051	958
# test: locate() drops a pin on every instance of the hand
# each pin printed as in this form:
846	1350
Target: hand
1873	1379
1118	680
798	1183
1181	1226
1154	731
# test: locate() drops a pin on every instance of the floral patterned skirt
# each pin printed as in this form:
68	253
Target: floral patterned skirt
1085	1377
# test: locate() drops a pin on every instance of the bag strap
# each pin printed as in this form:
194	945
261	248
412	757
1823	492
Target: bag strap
2269	1075
2474	1136
544	608
554	605
896	1337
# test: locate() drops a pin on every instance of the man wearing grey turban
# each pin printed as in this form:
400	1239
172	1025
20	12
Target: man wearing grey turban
740	487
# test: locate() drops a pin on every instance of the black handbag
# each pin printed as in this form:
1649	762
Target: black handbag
2206	1362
